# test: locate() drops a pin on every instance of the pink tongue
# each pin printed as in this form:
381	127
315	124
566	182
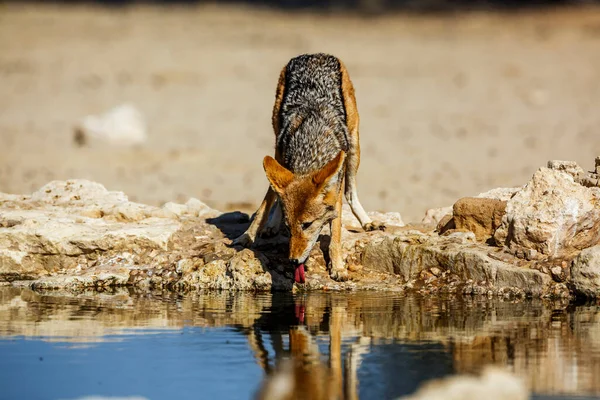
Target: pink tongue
300	313
299	274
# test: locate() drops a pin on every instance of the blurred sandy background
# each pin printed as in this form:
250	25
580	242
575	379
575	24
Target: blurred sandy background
451	105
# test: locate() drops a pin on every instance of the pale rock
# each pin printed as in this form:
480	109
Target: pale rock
6	197
162	213
193	207
570	167
531	254
585	273
114	271
458	253
244	271
184	266
552	214
210	276
435	215
502	194
198	208
77	191
590	180
13	263
176	208
123	125
64	220
78	234
388	219
462	237
53	233
128	211
248	271
90	199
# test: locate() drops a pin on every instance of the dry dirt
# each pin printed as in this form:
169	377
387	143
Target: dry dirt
450	106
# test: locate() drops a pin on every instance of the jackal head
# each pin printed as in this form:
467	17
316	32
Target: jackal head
308	202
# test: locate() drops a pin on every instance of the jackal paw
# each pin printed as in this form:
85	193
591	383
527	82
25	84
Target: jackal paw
244	240
339	274
374	226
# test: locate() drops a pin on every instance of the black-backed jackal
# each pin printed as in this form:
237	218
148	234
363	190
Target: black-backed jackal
317	154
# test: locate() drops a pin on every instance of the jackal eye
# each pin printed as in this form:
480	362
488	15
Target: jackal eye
306	225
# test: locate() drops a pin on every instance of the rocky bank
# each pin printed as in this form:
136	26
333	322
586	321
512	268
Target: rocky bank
537	240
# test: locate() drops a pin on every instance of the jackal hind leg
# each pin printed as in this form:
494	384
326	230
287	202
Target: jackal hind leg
353	153
351	192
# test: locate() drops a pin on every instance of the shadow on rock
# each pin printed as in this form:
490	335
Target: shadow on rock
231	224
270	253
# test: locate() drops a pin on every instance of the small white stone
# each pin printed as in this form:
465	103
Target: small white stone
123	125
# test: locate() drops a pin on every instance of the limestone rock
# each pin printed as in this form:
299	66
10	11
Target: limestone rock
193	207
87	199
570	167
585	273
121	126
197	208
47	231
482	216
592	178
244	271
502	194
76	234
388	219
77	191
552	214
54	234
435	215
114	271
456	254
249	271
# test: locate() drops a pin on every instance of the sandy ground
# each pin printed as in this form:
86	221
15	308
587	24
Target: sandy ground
450	106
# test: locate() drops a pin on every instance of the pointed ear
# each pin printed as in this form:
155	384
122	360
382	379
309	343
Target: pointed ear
278	176
329	174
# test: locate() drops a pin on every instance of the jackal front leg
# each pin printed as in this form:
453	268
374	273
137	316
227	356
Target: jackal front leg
248	238
337	269
273	224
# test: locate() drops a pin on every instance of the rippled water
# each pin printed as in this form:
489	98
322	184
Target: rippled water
222	345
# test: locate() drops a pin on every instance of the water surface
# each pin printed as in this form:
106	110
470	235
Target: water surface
222	345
